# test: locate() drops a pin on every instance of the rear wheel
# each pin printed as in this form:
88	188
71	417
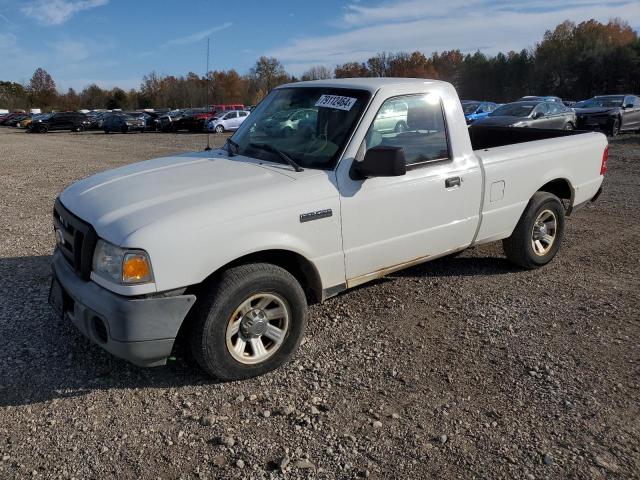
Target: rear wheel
250	321
569	126
538	234
43	129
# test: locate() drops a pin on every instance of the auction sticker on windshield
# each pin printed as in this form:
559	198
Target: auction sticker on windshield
336	101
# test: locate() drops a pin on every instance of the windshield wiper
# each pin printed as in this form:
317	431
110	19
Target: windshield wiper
232	147
270	148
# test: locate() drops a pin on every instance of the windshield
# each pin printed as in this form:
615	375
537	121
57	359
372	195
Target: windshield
314	124
602	102
513	110
470	108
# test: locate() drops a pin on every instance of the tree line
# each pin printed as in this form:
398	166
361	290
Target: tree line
573	61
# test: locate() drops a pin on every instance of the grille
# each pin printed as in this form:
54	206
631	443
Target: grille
76	240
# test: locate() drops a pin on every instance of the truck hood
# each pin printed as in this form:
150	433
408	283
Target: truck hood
121	201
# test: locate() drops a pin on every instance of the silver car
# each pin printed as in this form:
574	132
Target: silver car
392	118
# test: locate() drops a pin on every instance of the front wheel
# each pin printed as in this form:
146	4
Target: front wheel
249	321
219	129
615	127
569	126
538	234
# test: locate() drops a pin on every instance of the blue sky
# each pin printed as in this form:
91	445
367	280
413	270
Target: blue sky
116	42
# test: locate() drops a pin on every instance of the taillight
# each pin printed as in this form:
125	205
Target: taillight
605	157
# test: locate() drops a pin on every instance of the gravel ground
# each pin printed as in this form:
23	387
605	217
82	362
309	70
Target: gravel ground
460	368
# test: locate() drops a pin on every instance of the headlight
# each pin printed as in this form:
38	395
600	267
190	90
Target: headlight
122	266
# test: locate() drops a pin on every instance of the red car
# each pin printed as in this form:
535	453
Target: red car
225	107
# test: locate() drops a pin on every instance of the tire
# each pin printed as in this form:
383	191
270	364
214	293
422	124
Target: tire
219	129
521	248
219	309
43	129
106	130
615	128
401	127
569	126
80	128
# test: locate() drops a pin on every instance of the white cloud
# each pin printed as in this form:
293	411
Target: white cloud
198	36
408	25
57	12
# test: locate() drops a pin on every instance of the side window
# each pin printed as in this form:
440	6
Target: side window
554	108
636	101
242	114
422	135
541	108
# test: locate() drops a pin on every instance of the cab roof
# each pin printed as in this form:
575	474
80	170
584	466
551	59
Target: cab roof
371	84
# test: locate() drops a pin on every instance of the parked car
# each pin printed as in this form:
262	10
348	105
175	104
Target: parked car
536	114
225	107
240	237
73	121
392	117
150	119
15	120
286	123
192	122
8	117
610	113
96	118
545	98
473	109
165	121
25	122
228	121
123	123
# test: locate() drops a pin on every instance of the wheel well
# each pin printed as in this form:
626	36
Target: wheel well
561	188
297	265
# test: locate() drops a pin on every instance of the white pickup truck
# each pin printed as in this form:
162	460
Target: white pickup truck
228	247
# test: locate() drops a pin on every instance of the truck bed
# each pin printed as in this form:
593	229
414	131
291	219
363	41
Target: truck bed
519	161
490	137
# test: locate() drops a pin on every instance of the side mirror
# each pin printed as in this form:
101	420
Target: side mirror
380	161
628	105
538	115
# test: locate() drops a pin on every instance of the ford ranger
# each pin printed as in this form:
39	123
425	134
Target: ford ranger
228	247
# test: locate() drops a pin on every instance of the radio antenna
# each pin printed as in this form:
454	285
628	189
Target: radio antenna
208	147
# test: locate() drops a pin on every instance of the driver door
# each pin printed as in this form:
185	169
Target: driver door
391	222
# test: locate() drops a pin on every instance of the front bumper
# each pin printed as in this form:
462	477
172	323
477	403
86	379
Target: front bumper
141	330
585	122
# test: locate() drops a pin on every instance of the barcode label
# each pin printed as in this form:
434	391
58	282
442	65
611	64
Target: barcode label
336	101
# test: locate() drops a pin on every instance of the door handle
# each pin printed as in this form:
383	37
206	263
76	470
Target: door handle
452	182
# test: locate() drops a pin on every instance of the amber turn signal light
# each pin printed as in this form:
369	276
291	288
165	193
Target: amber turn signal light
136	268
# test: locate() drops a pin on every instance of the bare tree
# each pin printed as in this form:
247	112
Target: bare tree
318	72
42	88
